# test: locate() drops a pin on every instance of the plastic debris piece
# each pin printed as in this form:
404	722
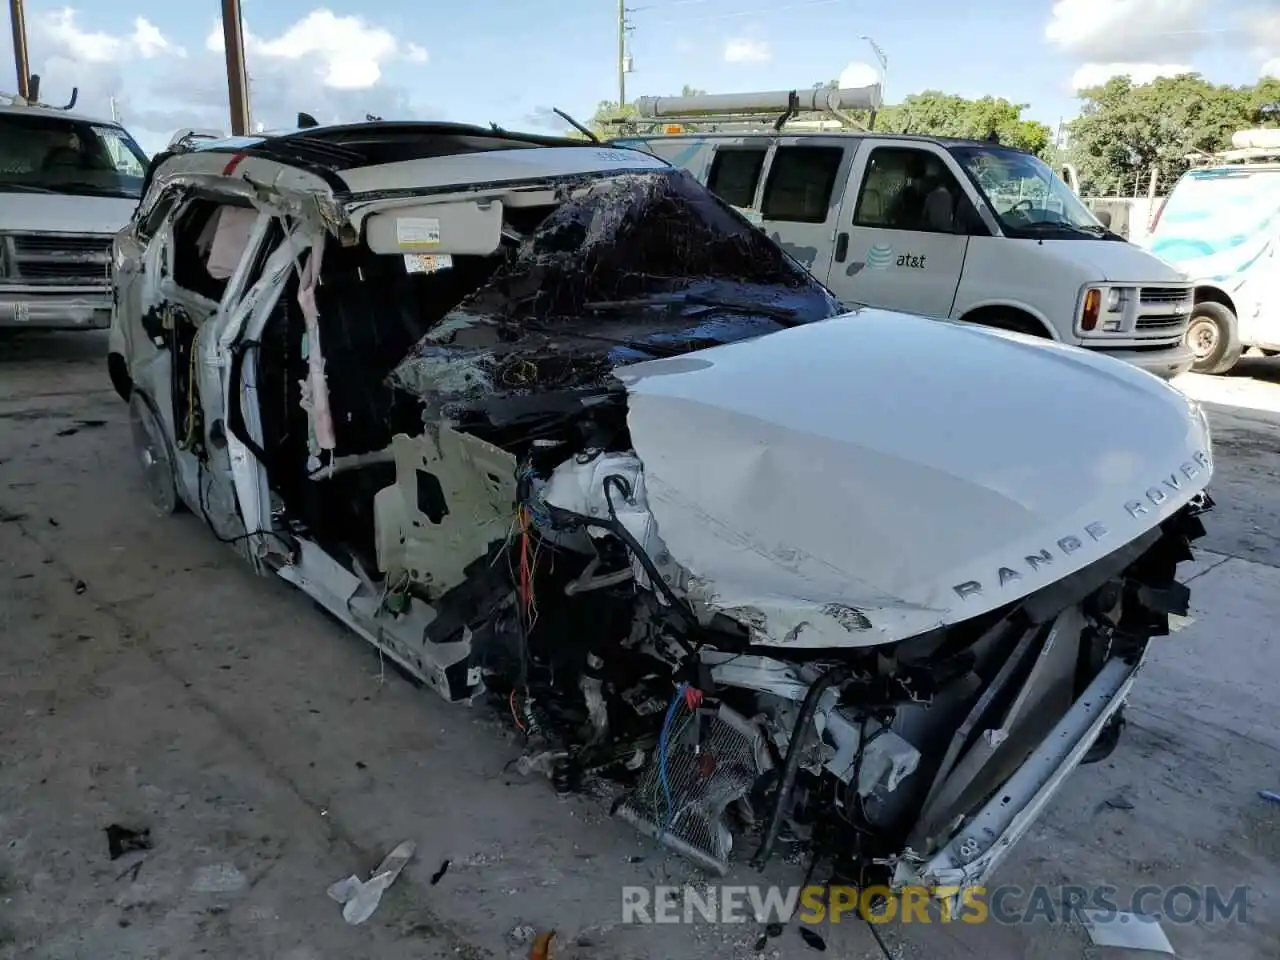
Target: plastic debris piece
122	840
218	878
1129	931
813	939
1269	795
360	898
439	874
542	946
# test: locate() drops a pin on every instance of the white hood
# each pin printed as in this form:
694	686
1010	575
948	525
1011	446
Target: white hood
871	477
1116	262
63	213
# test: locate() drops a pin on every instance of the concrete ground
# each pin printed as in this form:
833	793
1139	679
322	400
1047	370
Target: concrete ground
149	679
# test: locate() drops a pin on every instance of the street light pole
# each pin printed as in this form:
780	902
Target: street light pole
884	64
18	20
237	80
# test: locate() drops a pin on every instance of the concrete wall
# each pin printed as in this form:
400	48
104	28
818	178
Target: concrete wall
1130	216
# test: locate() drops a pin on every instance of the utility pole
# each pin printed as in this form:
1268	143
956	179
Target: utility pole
18	20
622	54
237	79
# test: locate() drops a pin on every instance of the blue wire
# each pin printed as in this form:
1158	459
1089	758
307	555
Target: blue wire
669	812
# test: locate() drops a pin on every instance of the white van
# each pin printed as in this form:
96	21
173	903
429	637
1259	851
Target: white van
946	228
1220	226
68	183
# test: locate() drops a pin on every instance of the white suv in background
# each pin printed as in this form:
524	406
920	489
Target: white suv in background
68	183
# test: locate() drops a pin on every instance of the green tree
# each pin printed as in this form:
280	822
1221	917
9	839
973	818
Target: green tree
1126	130
947	115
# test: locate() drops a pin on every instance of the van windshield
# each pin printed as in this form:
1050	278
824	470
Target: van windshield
1027	197
49	154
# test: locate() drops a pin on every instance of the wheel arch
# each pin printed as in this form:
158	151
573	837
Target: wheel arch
1005	316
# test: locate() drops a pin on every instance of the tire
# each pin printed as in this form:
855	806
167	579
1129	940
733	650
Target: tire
155	456
1213	338
1011	321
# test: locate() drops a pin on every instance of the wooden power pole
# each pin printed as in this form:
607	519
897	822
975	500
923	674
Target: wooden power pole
237	79
19	22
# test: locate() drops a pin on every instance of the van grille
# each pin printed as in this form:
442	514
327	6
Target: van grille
58	259
1163	311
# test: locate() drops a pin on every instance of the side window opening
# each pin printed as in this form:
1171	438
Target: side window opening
908	189
155	216
800	184
735	172
209	240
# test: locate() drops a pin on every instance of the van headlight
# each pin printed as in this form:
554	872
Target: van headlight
1115	299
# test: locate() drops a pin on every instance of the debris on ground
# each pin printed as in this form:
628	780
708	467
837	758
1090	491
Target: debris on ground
360	898
218	878
1269	795
542	946
1118	802
439	874
1129	931
813	939
122	840
521	933
81	587
81	425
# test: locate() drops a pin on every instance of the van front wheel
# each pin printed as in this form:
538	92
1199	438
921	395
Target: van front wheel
1213	339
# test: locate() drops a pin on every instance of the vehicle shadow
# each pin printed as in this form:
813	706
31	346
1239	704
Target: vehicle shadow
1257	368
36	346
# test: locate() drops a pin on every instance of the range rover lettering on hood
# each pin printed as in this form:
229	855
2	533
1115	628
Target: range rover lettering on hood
1095	531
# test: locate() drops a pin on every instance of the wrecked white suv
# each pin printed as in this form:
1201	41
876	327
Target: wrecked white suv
548	422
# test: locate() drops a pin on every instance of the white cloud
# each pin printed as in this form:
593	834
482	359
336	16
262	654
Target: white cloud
1128	31
345	53
1096	74
858	75
61	30
745	50
1271	68
330	66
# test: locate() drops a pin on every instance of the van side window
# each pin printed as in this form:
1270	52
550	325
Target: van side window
801	180
209	241
908	189
735	171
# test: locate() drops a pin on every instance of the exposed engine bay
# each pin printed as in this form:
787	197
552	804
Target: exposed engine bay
597	476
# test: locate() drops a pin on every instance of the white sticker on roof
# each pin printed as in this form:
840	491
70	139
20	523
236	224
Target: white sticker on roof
417	232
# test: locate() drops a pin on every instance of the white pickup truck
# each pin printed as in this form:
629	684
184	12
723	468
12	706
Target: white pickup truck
68	183
961	229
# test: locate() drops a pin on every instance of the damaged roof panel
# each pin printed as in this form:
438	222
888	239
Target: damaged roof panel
626	268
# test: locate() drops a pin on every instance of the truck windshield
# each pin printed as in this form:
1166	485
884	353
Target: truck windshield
49	154
1027	197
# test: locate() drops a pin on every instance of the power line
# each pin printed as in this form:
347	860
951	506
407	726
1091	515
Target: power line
759	11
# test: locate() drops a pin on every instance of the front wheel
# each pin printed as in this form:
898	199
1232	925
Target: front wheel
1213	339
155	456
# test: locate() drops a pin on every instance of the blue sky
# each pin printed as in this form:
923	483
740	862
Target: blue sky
509	62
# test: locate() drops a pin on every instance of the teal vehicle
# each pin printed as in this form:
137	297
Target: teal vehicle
1221	226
